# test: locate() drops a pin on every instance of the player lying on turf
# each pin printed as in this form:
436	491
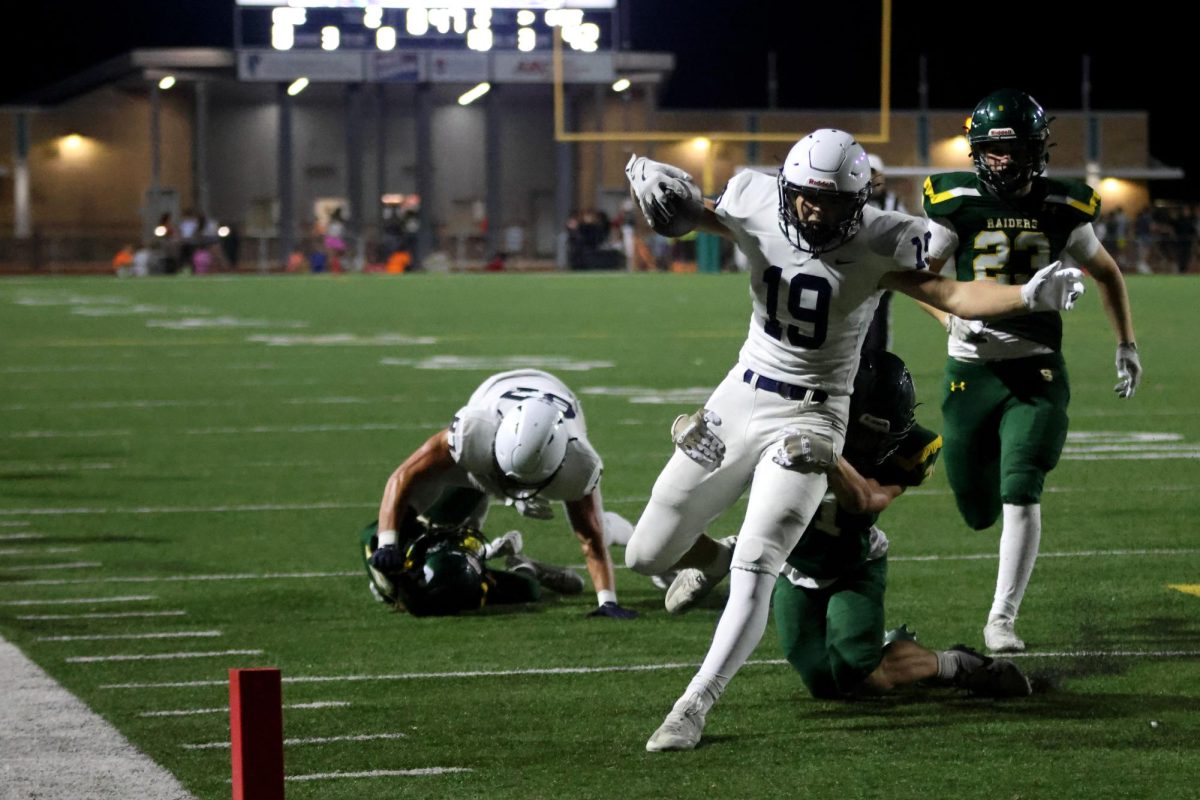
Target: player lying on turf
444	570
828	600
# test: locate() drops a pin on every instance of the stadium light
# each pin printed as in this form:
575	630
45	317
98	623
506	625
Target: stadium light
166	82
471	95
621	85
298	86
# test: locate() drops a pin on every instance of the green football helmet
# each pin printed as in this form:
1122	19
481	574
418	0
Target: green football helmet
1008	122
451	581
882	409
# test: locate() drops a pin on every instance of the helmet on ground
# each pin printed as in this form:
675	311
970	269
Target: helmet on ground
882	409
451	581
531	444
1008	122
829	169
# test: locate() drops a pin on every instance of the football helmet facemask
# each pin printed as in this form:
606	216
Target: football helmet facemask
829	171
530	446
882	409
1008	123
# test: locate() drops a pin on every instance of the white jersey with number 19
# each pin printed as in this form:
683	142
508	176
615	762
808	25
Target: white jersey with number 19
811	314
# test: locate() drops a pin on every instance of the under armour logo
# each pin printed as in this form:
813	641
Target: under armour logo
1048	375
958	386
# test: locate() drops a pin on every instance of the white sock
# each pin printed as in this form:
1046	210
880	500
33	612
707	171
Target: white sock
1018	551
739	631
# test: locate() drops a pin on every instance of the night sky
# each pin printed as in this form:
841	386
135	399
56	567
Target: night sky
827	54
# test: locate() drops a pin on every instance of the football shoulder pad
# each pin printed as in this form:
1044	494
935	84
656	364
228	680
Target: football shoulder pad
471	436
944	192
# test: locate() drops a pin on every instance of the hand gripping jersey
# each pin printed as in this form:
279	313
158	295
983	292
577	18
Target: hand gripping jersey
1007	240
837	541
810	315
473	433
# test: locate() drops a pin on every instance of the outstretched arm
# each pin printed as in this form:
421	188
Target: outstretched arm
431	458
588	525
1052	288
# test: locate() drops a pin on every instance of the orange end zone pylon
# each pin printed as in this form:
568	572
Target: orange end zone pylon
256	733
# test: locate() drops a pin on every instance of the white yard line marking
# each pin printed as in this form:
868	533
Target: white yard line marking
160	656
36	551
252	507
20	537
48	567
377	773
67	434
264	576
327	428
554	671
13	523
112	615
129	598
126	636
362	737
1060	554
191	712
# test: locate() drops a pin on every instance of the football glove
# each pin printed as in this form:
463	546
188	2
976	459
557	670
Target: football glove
1053	288
805	451
614	611
1129	370
668	198
388	559
694	435
533	507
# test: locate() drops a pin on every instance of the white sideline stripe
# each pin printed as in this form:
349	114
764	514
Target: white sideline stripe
552	671
1151	456
54	746
48	567
35	551
263	576
160	656
15	512
113	615
362	737
129	598
190	712
17	537
1059	554
12	524
377	773
110	636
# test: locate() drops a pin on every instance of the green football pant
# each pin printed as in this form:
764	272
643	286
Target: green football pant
1004	427
833	636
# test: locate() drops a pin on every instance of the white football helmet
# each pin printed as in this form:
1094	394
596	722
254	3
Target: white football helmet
531	445
830	170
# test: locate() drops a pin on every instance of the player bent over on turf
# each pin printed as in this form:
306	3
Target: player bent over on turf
828	601
522	438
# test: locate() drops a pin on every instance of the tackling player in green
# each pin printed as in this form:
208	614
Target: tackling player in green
1006	391
828	600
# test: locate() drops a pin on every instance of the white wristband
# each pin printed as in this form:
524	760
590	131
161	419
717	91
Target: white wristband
606	596
386	538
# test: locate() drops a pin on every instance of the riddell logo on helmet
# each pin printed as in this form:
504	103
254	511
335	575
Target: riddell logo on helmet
821	183
1000	132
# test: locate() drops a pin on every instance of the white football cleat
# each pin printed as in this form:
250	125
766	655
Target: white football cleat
663	580
692	585
681	729
509	544
999	636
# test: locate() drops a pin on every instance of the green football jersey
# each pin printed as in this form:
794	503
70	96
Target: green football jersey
837	541
1009	239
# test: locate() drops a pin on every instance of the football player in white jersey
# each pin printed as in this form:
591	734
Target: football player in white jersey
819	257
522	438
